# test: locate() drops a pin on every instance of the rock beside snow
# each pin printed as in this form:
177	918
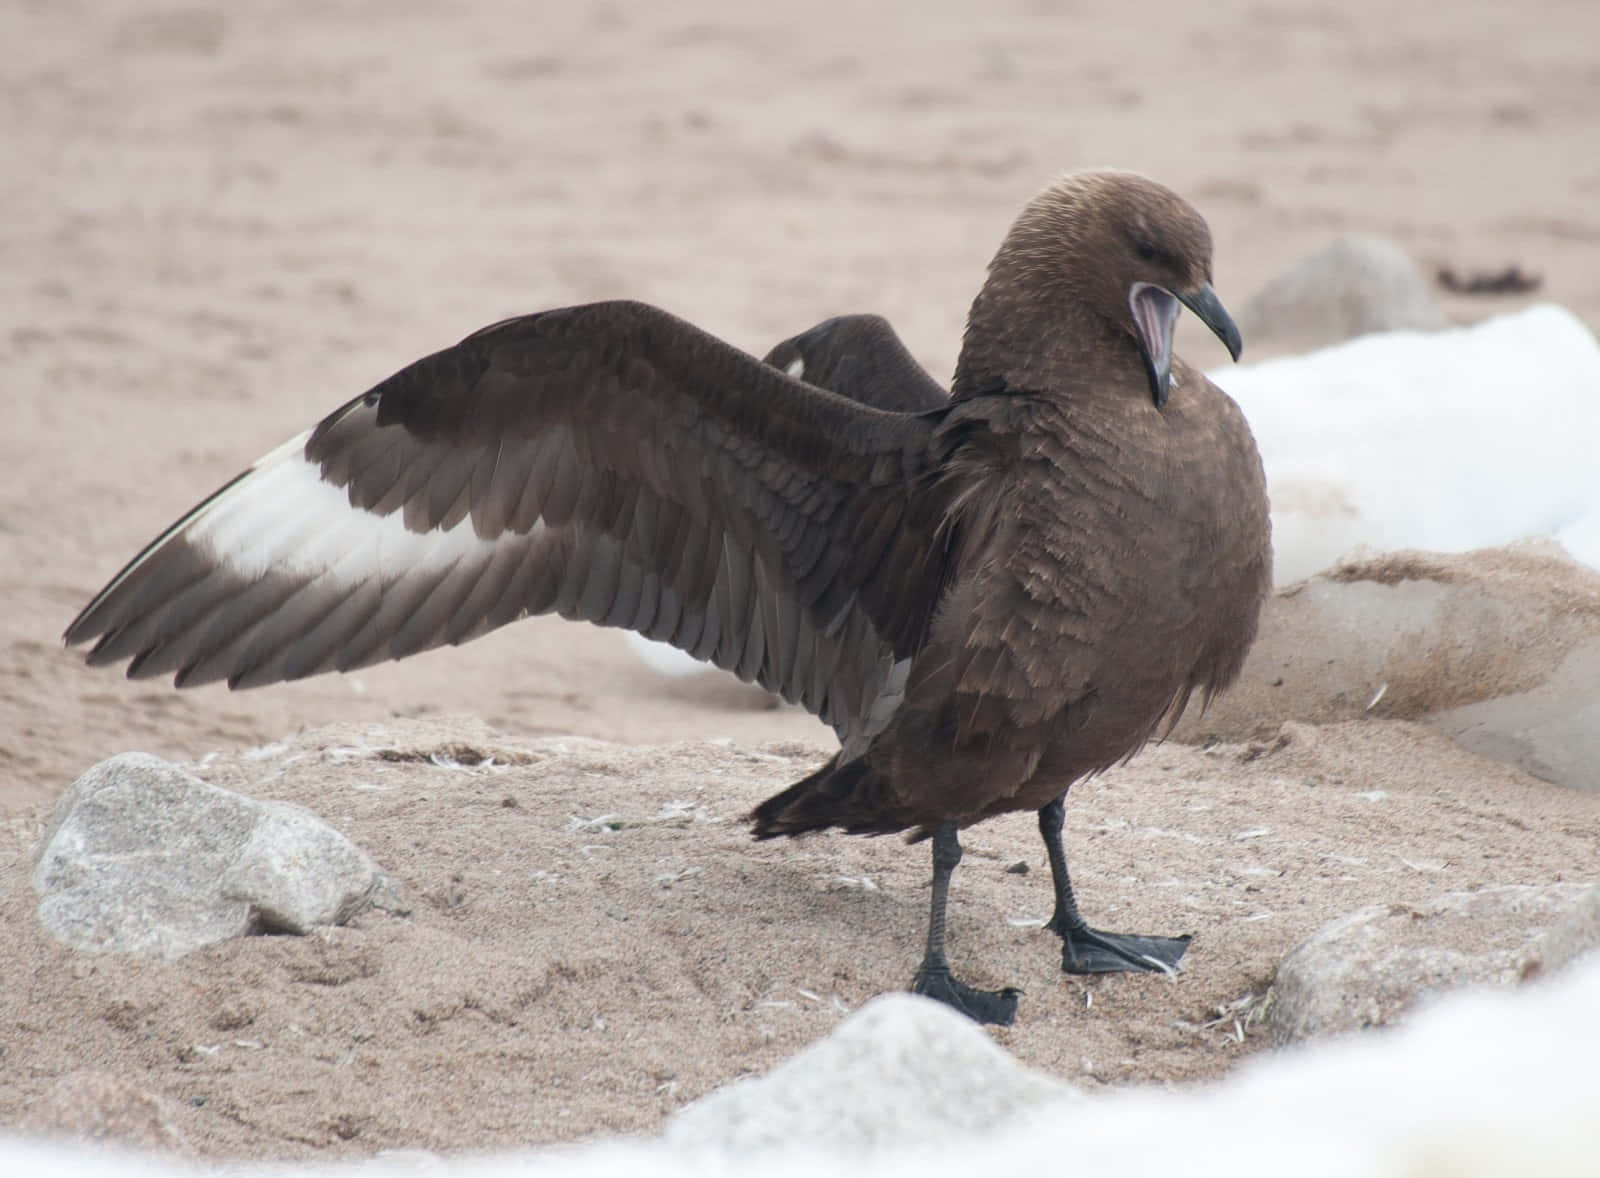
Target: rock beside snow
1550	729
1372	966
1499	650
903	1073
99	1106
1577	934
1353	286
142	858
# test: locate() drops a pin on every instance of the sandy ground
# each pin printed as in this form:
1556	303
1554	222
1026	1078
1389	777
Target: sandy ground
594	940
218	224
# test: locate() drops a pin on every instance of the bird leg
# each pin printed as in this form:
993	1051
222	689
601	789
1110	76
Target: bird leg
1087	950
934	978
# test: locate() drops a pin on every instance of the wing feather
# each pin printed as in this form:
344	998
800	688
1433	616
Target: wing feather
609	463
860	357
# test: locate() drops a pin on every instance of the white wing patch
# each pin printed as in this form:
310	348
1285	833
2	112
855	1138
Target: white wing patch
283	518
277	576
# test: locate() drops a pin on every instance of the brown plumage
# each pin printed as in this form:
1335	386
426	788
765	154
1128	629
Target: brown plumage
987	596
861	357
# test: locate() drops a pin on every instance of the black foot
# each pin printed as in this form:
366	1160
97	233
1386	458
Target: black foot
1087	950
998	1007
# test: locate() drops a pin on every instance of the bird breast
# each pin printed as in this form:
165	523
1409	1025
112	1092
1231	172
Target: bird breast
1105	576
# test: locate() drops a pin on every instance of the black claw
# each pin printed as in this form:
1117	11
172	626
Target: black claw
993	1007
1087	950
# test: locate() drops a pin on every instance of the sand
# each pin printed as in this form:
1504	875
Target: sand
219	224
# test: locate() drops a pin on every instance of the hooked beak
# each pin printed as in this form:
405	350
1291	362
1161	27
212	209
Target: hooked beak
1155	310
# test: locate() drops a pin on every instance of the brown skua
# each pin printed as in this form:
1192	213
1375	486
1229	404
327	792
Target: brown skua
987	596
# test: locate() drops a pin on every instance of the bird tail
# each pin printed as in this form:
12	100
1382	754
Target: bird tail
848	794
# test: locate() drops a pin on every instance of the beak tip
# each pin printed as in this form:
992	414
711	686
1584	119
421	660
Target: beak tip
1210	311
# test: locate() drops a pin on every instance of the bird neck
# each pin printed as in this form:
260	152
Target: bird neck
1038	339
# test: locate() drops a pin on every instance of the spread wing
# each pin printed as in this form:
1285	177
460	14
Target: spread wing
609	463
860	357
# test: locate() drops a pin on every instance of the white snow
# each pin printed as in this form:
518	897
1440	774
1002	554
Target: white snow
1446	441
664	658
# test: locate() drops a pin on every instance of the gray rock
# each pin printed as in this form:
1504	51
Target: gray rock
1354	286
99	1106
901	1072
1551	730
1372	966
1497	649
140	857
1577	935
297	872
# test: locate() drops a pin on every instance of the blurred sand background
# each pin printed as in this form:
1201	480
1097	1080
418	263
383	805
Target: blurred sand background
217	223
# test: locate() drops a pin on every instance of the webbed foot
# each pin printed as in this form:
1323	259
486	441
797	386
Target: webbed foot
1087	950
996	1007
